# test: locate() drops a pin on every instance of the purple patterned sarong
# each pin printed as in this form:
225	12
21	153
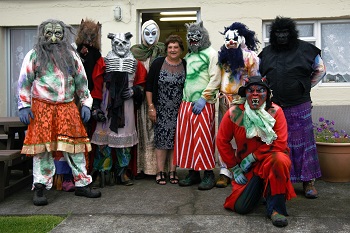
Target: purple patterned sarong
301	141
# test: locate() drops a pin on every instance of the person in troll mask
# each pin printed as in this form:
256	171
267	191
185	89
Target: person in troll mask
50	76
260	164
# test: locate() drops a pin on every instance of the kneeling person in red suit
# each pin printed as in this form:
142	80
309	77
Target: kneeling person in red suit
261	163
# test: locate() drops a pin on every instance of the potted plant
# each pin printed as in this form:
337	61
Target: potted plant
333	147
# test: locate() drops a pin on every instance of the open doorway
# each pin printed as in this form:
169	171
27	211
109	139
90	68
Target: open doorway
170	21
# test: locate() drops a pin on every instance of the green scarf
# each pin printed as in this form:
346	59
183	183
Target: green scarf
141	52
259	123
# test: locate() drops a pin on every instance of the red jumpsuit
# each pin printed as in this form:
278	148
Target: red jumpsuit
273	163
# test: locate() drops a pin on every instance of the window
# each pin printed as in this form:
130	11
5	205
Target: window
333	38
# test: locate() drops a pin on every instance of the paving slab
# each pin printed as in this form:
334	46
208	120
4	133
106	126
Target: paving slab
149	207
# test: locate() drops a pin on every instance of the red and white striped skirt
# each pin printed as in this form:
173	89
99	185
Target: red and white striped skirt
195	138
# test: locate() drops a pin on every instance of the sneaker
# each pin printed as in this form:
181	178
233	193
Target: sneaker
223	181
208	181
39	198
192	178
68	186
279	220
309	189
86	191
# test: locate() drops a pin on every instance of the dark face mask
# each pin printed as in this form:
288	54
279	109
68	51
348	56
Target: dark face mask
282	36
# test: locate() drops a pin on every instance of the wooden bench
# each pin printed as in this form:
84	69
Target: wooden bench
13	160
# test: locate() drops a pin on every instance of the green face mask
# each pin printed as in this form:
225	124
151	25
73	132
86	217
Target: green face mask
53	33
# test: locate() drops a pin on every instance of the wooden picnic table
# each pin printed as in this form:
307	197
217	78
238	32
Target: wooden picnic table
10	126
11	158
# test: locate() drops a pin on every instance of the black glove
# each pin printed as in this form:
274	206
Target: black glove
127	93
97	113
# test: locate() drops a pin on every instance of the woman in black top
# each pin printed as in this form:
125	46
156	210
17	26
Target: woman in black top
164	87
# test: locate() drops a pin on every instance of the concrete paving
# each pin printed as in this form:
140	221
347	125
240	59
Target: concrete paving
149	207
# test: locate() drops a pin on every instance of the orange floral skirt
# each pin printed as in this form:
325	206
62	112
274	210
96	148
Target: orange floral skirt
55	127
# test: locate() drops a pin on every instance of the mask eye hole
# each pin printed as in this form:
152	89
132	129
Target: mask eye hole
262	90
258	90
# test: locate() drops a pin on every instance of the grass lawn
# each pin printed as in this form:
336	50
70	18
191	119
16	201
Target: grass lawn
37	223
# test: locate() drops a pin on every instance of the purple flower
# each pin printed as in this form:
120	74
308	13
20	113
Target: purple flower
325	131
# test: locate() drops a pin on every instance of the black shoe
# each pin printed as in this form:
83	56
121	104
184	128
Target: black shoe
87	192
39	198
140	176
192	178
208	181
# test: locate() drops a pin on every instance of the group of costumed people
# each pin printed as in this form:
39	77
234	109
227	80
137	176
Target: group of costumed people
262	104
261	138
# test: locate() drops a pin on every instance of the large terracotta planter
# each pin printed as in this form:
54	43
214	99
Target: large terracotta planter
334	161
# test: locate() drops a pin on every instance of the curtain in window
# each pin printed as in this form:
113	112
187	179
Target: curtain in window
336	50
21	41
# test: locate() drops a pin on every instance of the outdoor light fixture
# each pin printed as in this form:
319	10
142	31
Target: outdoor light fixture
118	13
178	19
178	13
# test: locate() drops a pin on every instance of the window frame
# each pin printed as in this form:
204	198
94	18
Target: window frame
317	24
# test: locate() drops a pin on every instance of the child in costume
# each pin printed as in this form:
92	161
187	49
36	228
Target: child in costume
121	92
194	140
50	76
237	60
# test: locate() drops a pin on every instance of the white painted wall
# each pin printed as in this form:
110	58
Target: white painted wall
215	14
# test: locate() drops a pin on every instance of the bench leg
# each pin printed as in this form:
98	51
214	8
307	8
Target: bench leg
2	180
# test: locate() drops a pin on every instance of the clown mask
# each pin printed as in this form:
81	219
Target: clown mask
150	34
256	96
233	40
53	33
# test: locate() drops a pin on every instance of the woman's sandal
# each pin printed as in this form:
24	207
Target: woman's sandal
160	178
173	177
